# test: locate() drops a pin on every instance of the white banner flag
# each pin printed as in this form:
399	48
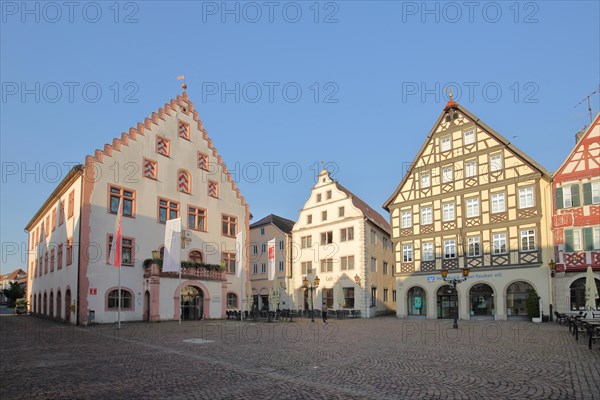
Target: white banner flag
271	252
172	256
239	253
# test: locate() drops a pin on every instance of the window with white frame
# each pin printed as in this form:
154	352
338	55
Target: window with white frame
595	188
346	234
596	238
448	212
426	216
427	251
577	242
425	180
445	143
528	240
281	245
263	248
567	192
496	163
498	203
470	169
474	246
385	243
327	265
346	263
326	238
499	243
386	268
307	267
407	253
449	249
469	136
306	242
472	208
405	219
526	197
447	174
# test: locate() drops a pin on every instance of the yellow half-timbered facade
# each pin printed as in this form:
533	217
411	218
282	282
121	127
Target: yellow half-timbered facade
470	199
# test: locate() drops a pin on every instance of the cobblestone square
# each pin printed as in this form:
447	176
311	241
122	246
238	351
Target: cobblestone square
379	358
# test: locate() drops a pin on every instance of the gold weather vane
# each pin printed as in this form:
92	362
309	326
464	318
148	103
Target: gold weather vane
182	78
449	91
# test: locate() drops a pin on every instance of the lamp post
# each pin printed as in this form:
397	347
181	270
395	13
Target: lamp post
454	282
552	266
311	286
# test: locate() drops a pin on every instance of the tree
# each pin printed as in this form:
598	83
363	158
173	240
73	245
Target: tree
14	292
533	304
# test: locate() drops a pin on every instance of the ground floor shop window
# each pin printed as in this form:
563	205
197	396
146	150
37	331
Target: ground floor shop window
417	304
577	291
447	302
481	298
516	298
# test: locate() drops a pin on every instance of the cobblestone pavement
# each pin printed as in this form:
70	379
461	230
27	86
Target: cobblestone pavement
381	358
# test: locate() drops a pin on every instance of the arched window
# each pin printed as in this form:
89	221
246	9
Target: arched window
232	300
417	301
196	256
184	181
113	300
516	298
161	252
51	305
577	290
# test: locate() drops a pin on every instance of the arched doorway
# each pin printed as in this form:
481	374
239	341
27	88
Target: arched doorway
516	300
481	301
447	303
45	303
39	304
192	302
68	305
147	306
577	291
34	304
58	305
417	301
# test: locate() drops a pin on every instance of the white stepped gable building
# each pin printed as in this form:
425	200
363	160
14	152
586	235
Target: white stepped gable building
346	243
164	168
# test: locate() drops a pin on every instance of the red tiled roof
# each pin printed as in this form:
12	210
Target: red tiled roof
368	212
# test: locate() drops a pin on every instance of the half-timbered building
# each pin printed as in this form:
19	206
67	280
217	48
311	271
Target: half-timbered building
576	220
470	199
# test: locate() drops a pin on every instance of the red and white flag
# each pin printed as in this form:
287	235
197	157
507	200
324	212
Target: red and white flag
115	248
271	249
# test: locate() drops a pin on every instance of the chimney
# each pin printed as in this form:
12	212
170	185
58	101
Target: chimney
579	134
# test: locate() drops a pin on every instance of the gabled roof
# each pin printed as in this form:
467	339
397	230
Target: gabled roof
479	123
579	143
284	224
183	103
367	211
13	275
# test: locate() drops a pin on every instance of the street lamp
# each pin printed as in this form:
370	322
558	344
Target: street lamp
454	282
552	266
311	286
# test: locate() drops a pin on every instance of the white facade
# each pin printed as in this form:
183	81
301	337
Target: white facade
347	245
162	169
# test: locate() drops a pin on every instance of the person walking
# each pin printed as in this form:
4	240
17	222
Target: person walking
324	313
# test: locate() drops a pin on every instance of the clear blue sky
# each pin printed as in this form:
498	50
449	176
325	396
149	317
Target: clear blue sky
379	66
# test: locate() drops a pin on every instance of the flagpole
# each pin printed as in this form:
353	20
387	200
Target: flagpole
119	312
